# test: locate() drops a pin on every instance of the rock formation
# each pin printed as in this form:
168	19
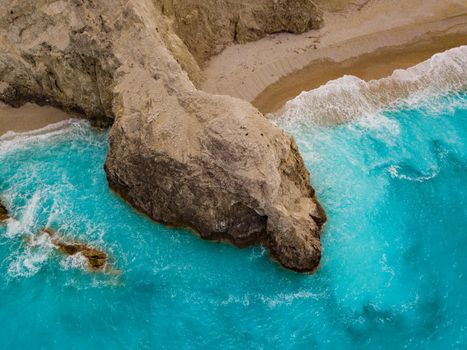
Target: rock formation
206	27
3	213
96	259
182	156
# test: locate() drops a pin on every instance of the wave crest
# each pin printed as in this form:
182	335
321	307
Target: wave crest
347	98
12	141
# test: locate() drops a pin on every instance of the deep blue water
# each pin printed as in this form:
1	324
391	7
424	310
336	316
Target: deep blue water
393	275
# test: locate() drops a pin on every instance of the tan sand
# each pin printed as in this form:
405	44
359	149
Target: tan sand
368	41
375	65
28	117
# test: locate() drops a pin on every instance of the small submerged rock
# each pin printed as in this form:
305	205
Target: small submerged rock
3	213
97	260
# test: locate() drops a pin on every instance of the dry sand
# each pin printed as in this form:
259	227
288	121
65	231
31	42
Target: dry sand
369	41
28	117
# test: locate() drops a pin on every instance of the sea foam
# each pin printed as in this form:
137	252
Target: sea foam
349	97
11	141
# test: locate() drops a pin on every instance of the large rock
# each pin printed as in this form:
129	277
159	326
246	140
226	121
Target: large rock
57	52
215	164
182	156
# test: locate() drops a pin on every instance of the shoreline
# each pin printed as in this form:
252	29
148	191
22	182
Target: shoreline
370	43
373	66
29	117
275	69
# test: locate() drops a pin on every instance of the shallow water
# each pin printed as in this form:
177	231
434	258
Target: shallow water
393	273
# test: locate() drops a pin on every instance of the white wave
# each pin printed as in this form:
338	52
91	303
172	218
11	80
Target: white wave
394	172
288	298
27	264
76	261
347	98
41	131
97	281
13	141
271	301
41	240
33	258
27	222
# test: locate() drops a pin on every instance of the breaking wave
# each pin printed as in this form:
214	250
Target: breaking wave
36	201
347	98
13	141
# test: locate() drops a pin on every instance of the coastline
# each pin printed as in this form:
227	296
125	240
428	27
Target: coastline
273	70
29	117
139	211
349	97
360	42
372	66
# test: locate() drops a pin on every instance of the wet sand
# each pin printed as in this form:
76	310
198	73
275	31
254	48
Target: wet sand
28	117
368	67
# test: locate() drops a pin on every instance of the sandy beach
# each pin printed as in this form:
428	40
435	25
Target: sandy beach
28	117
369	41
376	65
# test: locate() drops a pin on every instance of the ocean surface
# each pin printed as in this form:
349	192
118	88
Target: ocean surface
392	178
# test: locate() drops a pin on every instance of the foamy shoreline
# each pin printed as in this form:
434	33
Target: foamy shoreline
349	97
367	67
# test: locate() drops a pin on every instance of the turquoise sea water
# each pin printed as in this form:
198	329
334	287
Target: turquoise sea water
393	275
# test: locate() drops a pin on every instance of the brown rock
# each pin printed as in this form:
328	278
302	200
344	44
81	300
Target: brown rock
206	27
97	259
3	213
218	166
184	157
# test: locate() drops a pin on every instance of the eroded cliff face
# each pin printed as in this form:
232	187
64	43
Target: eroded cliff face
206	27
57	52
182	156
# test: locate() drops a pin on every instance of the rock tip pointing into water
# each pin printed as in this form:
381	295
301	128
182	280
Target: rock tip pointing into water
230	175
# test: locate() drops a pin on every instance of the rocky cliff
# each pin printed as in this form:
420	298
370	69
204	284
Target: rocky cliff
182	156
206	27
